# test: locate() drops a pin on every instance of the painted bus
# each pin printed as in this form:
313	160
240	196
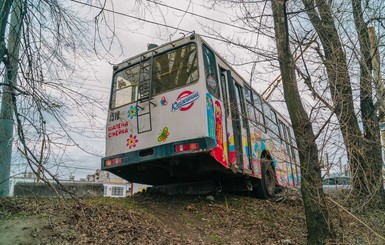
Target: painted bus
179	113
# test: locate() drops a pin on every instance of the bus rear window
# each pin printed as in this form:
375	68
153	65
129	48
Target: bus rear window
170	70
125	86
174	69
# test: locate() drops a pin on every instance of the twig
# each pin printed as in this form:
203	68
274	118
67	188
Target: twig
49	221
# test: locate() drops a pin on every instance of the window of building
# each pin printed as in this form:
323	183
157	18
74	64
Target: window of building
117	191
211	72
105	190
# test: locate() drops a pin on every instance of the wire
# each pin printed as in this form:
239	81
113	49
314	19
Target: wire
144	20
201	16
93	85
69	166
212	9
126	15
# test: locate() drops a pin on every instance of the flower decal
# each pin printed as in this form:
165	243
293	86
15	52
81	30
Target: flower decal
133	112
131	141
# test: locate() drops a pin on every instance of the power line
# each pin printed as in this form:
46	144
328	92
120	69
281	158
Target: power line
144	20
67	166
93	85
200	16
92	89
126	15
212	9
58	165
131	31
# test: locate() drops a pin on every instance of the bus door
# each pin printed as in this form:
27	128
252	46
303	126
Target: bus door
241	116
236	128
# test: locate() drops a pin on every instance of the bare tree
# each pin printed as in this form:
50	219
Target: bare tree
319	226
363	148
41	50
329	70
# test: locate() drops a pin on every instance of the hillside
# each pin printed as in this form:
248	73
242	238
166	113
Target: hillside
150	218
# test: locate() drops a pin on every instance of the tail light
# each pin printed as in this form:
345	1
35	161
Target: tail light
187	147
113	161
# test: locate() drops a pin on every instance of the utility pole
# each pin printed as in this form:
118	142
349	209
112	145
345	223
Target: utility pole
10	61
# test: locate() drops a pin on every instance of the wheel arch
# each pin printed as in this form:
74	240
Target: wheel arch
265	154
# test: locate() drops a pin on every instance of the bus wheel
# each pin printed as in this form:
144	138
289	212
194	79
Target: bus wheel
265	187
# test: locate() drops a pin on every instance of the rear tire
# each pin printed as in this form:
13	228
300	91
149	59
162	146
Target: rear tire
266	186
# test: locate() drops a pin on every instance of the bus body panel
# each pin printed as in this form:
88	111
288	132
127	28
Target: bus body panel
168	124
260	142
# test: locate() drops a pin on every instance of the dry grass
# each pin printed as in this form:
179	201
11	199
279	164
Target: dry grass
159	219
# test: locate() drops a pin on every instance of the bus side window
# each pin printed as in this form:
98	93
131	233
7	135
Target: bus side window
249	105
257	102
250	112
284	130
224	93
266	110
240	104
248	94
271	119
293	145
258	112
266	115
275	122
211	72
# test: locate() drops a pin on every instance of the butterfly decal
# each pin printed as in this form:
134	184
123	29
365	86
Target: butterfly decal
163	101
163	136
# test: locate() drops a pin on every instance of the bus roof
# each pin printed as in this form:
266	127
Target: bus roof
280	116
157	49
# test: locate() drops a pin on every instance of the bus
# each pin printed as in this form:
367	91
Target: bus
179	113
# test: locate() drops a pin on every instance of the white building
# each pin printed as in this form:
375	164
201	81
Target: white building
117	189
114	186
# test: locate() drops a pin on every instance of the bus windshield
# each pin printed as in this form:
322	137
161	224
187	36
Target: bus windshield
170	70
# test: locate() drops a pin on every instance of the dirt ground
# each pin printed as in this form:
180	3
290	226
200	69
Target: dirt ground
150	218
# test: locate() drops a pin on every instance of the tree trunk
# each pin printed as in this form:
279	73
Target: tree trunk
6	112
357	147
370	120
319	226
